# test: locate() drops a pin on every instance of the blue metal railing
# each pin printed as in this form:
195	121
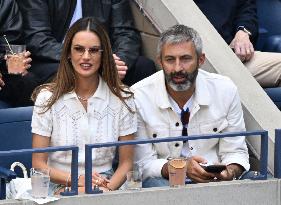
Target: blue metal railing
74	166
89	147
277	154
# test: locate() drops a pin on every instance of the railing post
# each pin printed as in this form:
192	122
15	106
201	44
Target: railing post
74	174
264	155
2	189
277	154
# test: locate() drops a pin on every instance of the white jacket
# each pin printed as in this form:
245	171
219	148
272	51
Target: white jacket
216	108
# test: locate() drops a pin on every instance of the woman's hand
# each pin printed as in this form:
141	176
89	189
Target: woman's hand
98	179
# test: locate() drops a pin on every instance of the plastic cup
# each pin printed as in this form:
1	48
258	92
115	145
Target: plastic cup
15	58
40	180
134	180
177	172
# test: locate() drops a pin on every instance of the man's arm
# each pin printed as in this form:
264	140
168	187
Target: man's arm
246	27
145	156
246	15
125	38
37	30
10	22
233	151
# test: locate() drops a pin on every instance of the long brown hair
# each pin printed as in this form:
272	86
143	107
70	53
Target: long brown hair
64	81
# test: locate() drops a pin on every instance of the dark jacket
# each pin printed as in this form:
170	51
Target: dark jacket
227	15
10	25
46	23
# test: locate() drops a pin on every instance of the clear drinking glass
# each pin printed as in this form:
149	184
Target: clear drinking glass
15	58
134	180
40	180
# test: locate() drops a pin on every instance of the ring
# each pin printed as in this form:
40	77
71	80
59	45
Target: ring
96	181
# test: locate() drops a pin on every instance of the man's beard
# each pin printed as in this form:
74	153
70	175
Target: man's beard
186	84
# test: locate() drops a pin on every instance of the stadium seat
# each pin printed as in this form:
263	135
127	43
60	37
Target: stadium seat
275	95
15	133
269	17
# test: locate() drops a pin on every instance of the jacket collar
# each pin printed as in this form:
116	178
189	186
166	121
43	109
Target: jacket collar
201	94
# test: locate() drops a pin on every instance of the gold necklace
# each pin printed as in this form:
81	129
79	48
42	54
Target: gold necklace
85	98
81	98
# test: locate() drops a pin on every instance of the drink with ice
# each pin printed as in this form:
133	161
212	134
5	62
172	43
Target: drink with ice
40	180
15	58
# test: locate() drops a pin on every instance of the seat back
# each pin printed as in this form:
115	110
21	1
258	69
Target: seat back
269	17
15	133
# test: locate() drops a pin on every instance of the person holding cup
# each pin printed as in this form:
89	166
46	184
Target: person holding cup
86	103
183	100
16	82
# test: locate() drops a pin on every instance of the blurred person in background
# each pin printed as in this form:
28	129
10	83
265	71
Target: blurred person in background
236	21
47	21
15	88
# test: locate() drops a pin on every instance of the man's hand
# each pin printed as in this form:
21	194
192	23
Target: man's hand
231	172
195	172
121	67
242	46
2	83
27	60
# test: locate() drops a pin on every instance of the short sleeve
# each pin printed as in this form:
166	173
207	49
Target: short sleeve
128	119
42	123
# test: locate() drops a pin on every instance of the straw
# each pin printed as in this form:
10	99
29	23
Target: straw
8	44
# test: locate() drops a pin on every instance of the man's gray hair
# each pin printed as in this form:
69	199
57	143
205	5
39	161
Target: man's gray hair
177	34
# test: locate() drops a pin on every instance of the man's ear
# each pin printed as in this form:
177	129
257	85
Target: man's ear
202	59
158	61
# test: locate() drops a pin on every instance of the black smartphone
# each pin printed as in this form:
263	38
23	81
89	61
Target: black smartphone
217	168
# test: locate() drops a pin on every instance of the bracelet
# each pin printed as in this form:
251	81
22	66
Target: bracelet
109	189
78	179
67	180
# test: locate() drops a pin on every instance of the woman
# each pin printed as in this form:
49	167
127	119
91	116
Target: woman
85	103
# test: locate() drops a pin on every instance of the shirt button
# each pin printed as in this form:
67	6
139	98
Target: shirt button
215	129
191	148
177	144
154	135
177	124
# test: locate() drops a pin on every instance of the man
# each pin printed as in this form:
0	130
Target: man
236	21
15	89
179	91
46	23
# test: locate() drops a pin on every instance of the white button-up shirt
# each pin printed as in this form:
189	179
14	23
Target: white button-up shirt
68	123
216	108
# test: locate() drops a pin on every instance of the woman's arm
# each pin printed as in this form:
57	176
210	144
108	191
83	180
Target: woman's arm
39	160
126	156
